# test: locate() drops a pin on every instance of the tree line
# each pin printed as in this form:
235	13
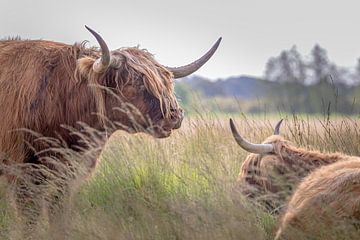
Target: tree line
291	83
291	67
313	84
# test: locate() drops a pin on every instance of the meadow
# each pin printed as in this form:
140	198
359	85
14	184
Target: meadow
184	186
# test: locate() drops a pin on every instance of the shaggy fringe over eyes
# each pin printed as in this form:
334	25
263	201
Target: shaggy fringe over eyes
156	79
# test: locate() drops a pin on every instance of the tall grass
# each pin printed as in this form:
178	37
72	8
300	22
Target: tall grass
183	187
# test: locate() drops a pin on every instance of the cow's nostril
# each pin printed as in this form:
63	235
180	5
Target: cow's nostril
177	114
176	110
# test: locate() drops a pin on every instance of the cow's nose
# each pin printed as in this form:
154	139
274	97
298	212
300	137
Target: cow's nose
177	117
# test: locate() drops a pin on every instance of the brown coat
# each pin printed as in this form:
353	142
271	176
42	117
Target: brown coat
60	102
325	204
45	86
272	177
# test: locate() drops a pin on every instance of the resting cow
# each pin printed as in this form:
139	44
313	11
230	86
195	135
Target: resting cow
326	205
275	167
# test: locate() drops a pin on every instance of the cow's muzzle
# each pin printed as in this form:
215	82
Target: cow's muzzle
176	118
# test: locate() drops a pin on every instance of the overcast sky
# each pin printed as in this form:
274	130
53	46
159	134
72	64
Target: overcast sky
178	32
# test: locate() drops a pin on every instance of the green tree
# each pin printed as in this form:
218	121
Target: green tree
319	64
287	67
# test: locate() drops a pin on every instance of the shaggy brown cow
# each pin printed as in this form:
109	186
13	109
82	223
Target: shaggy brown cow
49	87
274	167
326	205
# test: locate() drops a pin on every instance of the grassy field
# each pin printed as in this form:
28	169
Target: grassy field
184	186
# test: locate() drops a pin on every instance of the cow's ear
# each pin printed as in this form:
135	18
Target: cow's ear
84	66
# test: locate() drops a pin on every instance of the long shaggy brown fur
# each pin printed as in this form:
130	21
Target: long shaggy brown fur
45	85
49	93
272	177
326	204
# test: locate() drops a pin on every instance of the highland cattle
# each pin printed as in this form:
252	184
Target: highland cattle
326	205
273	168
52	90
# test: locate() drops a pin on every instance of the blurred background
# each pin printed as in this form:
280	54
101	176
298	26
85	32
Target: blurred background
276	56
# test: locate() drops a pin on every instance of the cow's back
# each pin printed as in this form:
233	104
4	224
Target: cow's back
30	75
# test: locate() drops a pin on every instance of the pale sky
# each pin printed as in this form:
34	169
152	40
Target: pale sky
178	32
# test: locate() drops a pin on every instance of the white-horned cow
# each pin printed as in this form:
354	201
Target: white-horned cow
48	87
274	167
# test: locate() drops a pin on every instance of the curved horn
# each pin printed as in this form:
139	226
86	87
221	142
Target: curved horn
250	147
186	70
277	127
102	63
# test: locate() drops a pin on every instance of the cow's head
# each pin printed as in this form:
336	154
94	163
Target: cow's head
139	91
264	174
274	167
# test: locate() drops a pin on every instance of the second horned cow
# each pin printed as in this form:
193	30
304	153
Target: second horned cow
273	168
